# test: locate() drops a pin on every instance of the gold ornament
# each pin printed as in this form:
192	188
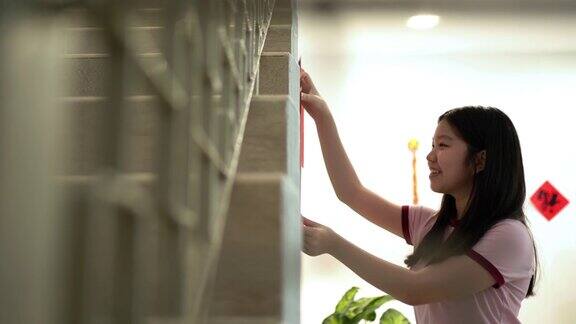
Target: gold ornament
413	146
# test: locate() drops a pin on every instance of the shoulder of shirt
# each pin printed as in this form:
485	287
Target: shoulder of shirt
427	210
429	214
510	224
424	211
515	233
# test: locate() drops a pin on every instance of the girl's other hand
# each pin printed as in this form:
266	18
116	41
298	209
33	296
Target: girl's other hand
318	239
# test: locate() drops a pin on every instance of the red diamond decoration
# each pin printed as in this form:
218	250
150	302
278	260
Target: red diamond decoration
548	200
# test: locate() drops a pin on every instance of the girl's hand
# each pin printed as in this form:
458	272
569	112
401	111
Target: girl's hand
306	84
310	98
318	239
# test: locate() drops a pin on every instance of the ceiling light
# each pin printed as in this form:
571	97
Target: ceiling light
421	22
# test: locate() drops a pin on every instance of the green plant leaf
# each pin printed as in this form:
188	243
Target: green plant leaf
344	303
350	311
371	317
346	320
371	305
392	316
332	319
358	306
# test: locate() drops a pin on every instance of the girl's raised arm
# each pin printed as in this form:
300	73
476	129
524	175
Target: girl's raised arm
377	210
345	182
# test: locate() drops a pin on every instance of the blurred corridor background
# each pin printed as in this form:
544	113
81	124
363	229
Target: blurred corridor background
387	78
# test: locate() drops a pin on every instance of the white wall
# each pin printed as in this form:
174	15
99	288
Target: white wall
382	93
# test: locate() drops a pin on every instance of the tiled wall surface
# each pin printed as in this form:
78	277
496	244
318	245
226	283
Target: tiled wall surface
161	142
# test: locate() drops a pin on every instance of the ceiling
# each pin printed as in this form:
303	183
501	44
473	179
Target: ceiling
381	29
474	5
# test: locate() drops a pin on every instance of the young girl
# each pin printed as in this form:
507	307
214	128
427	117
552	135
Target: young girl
474	260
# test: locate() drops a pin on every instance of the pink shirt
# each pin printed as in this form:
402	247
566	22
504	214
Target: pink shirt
505	251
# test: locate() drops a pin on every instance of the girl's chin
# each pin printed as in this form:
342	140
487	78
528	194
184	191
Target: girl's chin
436	189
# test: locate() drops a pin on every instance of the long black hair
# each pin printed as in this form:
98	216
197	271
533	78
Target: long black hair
498	191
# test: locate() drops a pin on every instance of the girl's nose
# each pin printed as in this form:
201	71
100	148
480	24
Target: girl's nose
431	156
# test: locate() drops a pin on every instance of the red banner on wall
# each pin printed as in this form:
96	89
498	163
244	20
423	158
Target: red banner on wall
548	200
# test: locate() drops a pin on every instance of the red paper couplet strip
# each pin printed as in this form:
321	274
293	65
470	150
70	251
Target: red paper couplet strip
301	127
301	136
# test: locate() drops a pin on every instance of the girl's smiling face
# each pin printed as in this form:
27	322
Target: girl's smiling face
450	172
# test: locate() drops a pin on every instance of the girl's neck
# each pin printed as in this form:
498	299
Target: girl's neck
461	204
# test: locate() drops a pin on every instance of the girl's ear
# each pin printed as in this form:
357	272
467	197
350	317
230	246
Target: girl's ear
480	161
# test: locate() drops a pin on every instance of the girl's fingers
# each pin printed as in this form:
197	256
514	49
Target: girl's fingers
306	83
311	101
308	222
304	97
314	105
307	98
